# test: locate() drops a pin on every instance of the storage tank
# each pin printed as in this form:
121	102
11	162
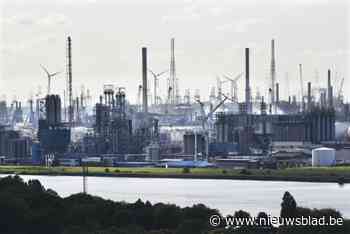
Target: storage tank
342	130
153	153
323	157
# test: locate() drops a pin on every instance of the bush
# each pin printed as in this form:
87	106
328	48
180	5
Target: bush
267	172
116	170
107	170
186	170
341	180
245	172
224	172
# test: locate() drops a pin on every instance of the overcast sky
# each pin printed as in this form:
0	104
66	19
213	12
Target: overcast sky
210	37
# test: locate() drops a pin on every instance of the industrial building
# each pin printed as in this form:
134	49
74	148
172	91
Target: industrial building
174	130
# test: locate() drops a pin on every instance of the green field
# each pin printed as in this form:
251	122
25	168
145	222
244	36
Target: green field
321	174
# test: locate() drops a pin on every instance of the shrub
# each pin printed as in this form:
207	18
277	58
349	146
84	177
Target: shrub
107	170
245	172
186	170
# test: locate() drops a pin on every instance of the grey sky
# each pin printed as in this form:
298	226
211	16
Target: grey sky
210	37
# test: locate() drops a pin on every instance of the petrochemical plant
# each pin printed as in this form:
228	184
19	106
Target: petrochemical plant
310	128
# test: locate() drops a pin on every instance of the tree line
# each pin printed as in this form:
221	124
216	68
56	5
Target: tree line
29	208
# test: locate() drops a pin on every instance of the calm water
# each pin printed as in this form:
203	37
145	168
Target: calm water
224	195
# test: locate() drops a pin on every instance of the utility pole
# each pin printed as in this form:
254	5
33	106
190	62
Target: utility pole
85	174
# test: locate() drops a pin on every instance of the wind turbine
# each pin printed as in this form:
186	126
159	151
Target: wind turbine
207	120
219	86
155	76
49	76
234	87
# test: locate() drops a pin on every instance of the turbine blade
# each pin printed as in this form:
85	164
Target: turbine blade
239	76
54	74
159	74
152	72
45	70
228	78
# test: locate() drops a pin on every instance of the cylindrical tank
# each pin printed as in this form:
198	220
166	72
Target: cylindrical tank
342	130
323	157
36	153
153	153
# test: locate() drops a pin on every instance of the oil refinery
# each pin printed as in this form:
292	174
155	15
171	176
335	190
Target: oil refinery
181	129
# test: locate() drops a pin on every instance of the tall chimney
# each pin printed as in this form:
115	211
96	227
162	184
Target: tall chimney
309	96
69	85
144	80
273	71
330	90
247	82
301	82
277	93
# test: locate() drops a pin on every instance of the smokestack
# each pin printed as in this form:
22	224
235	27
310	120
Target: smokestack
273	71
69	85
277	93
309	96
247	82
330	90
144	80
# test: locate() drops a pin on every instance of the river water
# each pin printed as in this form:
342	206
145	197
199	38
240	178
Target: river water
225	195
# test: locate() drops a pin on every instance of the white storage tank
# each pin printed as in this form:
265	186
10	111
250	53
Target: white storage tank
322	157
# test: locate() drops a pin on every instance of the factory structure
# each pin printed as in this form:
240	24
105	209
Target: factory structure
178	131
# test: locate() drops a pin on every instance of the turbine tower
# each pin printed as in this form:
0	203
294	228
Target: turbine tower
234	86
49	77
156	79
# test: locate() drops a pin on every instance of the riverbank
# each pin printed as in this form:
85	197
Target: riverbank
306	174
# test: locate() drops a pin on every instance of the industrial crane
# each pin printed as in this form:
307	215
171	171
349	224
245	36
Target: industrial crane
234	86
156	79
49	76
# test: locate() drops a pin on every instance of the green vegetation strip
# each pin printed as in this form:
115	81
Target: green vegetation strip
321	174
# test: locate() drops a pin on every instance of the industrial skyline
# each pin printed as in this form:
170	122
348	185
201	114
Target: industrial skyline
210	40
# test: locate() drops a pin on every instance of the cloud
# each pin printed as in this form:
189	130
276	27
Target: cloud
53	19
217	11
189	12
239	26
224	27
171	18
18	20
243	25
13	48
305	2
50	19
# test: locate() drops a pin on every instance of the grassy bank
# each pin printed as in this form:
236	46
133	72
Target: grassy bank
322	174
